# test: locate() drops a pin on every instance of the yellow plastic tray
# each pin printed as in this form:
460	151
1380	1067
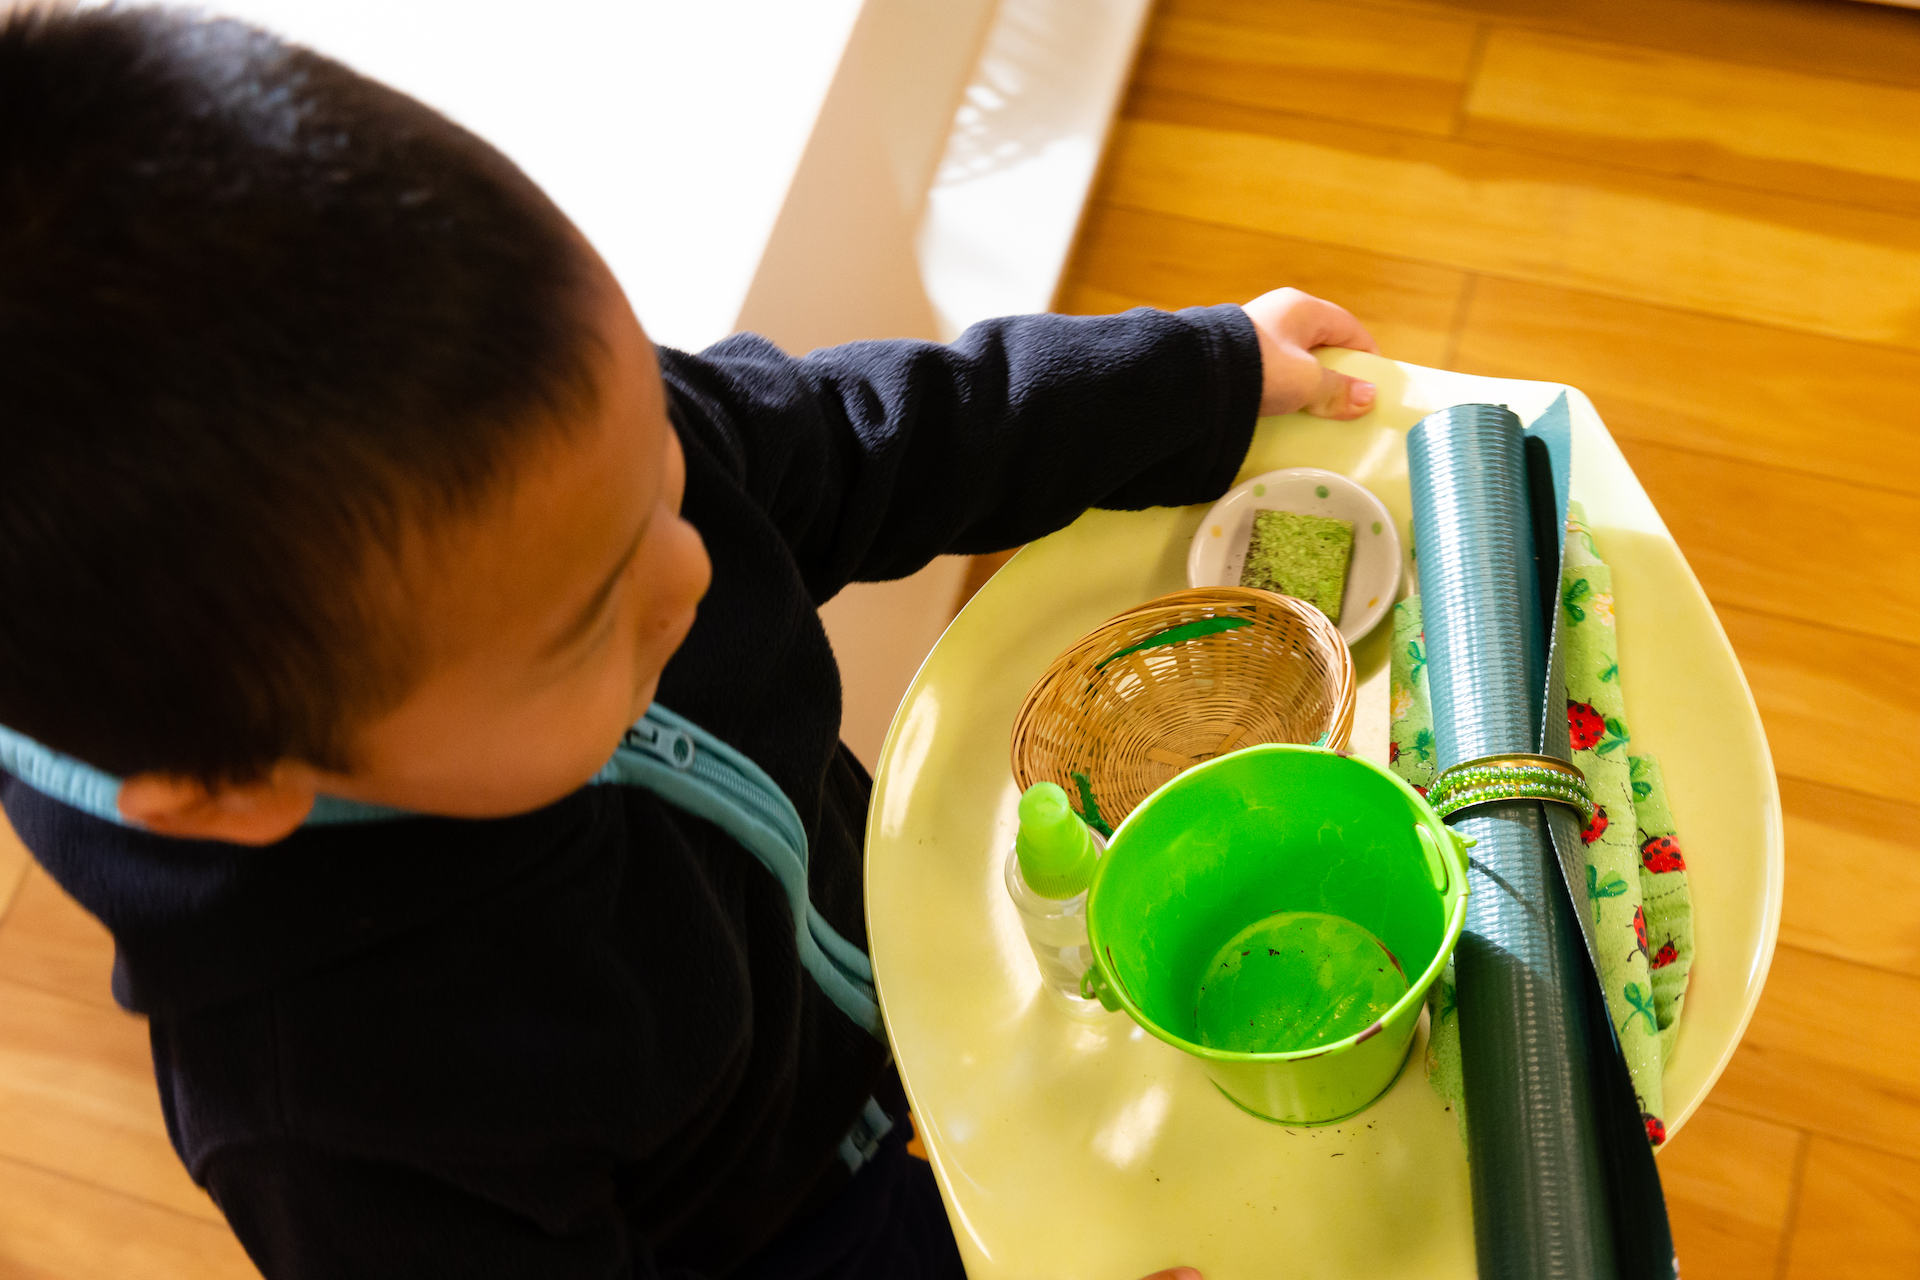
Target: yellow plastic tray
1087	1150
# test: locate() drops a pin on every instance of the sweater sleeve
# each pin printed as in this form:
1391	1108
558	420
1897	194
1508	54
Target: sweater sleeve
874	457
304	1213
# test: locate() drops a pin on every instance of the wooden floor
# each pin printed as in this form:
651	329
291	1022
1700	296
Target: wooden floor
1706	214
89	1187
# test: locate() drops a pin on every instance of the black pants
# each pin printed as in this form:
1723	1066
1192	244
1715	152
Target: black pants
887	1223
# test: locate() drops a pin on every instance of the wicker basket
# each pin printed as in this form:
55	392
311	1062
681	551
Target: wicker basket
1175	681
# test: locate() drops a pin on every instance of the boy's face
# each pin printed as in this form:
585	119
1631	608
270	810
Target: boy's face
544	622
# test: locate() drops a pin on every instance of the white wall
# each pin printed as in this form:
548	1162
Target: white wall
668	131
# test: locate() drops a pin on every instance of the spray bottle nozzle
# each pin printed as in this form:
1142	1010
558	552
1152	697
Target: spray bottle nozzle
1056	851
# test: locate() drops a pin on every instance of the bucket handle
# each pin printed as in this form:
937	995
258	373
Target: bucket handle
1437	865
1094	986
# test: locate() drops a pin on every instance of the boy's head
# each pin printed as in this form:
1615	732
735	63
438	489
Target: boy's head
331	458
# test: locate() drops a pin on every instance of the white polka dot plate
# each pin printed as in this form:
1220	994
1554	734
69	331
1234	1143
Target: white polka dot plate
1219	546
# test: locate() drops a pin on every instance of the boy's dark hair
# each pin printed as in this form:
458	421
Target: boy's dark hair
258	315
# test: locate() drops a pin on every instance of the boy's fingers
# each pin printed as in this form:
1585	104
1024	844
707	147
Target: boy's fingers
1342	397
1176	1273
1290	316
1339	328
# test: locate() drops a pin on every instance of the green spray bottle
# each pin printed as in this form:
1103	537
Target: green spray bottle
1048	871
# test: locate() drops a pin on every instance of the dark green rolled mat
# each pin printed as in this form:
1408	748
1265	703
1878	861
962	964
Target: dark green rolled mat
1563	1180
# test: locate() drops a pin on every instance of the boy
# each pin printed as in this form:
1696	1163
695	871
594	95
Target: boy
348	520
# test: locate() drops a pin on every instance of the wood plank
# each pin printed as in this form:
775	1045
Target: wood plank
77	1097
1824	551
1840	709
1317	57
1729	1185
1695	117
1862	41
1831	1050
1765	394
1834	269
54	1228
1853	876
49	941
1129	258
1859	1216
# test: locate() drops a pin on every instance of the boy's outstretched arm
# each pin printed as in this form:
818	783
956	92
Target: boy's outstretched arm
874	457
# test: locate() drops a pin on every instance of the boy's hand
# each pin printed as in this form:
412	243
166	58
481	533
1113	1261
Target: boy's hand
1291	324
1180	1273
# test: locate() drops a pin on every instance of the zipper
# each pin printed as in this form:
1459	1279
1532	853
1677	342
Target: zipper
678	749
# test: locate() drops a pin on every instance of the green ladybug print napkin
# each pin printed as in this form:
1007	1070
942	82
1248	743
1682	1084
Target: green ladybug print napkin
1597	727
1410	740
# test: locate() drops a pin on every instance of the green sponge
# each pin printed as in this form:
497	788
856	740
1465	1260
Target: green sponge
1300	555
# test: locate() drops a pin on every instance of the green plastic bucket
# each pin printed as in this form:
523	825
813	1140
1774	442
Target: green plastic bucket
1279	913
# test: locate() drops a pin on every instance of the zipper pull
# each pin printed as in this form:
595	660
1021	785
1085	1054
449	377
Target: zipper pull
670	746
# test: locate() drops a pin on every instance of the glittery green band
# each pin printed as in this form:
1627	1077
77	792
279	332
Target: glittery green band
1511	777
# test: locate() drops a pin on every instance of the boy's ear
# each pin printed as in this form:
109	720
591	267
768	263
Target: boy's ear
260	812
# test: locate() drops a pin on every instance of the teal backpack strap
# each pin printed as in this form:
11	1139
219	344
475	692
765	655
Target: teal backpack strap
93	791
71	782
689	768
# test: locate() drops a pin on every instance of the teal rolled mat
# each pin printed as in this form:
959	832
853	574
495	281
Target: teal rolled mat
1563	1181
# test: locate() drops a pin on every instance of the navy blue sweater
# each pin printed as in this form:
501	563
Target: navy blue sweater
579	1042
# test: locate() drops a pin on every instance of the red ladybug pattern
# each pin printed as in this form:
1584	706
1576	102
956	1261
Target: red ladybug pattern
1662	853
1393	752
1585	726
1597	828
1639	930
1656	1129
1665	956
